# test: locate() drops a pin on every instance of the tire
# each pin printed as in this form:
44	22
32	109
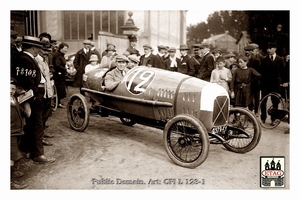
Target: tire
186	141
243	131
267	123
127	121
54	99
78	113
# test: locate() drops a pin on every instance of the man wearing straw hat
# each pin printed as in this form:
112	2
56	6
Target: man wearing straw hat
30	77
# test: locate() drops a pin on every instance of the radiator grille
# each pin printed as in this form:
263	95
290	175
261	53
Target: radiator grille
220	113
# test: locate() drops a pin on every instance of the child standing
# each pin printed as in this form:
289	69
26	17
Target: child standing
17	122
221	75
240	86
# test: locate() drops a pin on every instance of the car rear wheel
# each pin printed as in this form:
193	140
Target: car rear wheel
243	131
186	141
78	113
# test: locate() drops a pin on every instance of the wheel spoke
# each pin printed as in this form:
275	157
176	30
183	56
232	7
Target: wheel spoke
182	143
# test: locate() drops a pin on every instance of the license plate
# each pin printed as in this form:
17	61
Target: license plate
218	129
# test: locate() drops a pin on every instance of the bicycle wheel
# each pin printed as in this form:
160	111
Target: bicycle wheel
54	99
270	116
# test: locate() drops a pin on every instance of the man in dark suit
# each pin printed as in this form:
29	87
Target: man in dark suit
159	58
207	64
272	69
29	77
255	64
184	64
196	59
82	58
132	48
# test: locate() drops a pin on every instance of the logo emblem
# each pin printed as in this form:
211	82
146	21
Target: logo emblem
272	171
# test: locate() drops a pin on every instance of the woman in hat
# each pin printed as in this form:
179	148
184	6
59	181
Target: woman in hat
93	63
59	63
106	61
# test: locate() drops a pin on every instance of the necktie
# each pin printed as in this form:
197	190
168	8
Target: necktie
271	58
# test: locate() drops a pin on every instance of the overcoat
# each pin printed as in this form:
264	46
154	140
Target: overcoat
81	60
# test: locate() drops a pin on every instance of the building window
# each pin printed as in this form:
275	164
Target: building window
80	25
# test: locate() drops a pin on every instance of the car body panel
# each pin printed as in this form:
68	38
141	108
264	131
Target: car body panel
160	95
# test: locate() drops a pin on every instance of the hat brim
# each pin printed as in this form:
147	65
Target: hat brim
32	44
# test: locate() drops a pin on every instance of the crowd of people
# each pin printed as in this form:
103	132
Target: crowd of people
37	65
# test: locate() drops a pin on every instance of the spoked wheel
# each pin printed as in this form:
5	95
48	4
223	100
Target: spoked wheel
186	141
127	121
78	112
273	115
54	99
243	131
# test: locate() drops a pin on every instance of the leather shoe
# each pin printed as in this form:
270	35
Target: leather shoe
25	155
43	159
48	135
46	142
17	185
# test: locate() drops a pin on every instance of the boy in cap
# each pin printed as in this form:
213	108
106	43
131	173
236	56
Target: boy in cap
255	64
114	77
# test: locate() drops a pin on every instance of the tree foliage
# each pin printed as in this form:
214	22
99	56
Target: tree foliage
260	25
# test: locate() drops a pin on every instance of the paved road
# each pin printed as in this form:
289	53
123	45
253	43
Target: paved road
110	155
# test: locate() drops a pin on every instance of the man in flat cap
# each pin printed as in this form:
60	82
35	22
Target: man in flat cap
171	63
147	59
255	64
30	77
114	77
133	61
256	52
272	70
208	63
230	59
196	58
82	58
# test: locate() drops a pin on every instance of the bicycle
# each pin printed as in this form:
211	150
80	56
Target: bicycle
274	115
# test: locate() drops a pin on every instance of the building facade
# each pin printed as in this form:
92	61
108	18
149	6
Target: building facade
103	27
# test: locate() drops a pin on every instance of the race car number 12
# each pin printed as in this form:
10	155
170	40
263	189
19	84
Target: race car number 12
139	80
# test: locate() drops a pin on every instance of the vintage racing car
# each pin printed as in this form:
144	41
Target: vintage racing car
191	112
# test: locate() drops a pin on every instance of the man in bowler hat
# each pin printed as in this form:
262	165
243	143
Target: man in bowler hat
185	65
